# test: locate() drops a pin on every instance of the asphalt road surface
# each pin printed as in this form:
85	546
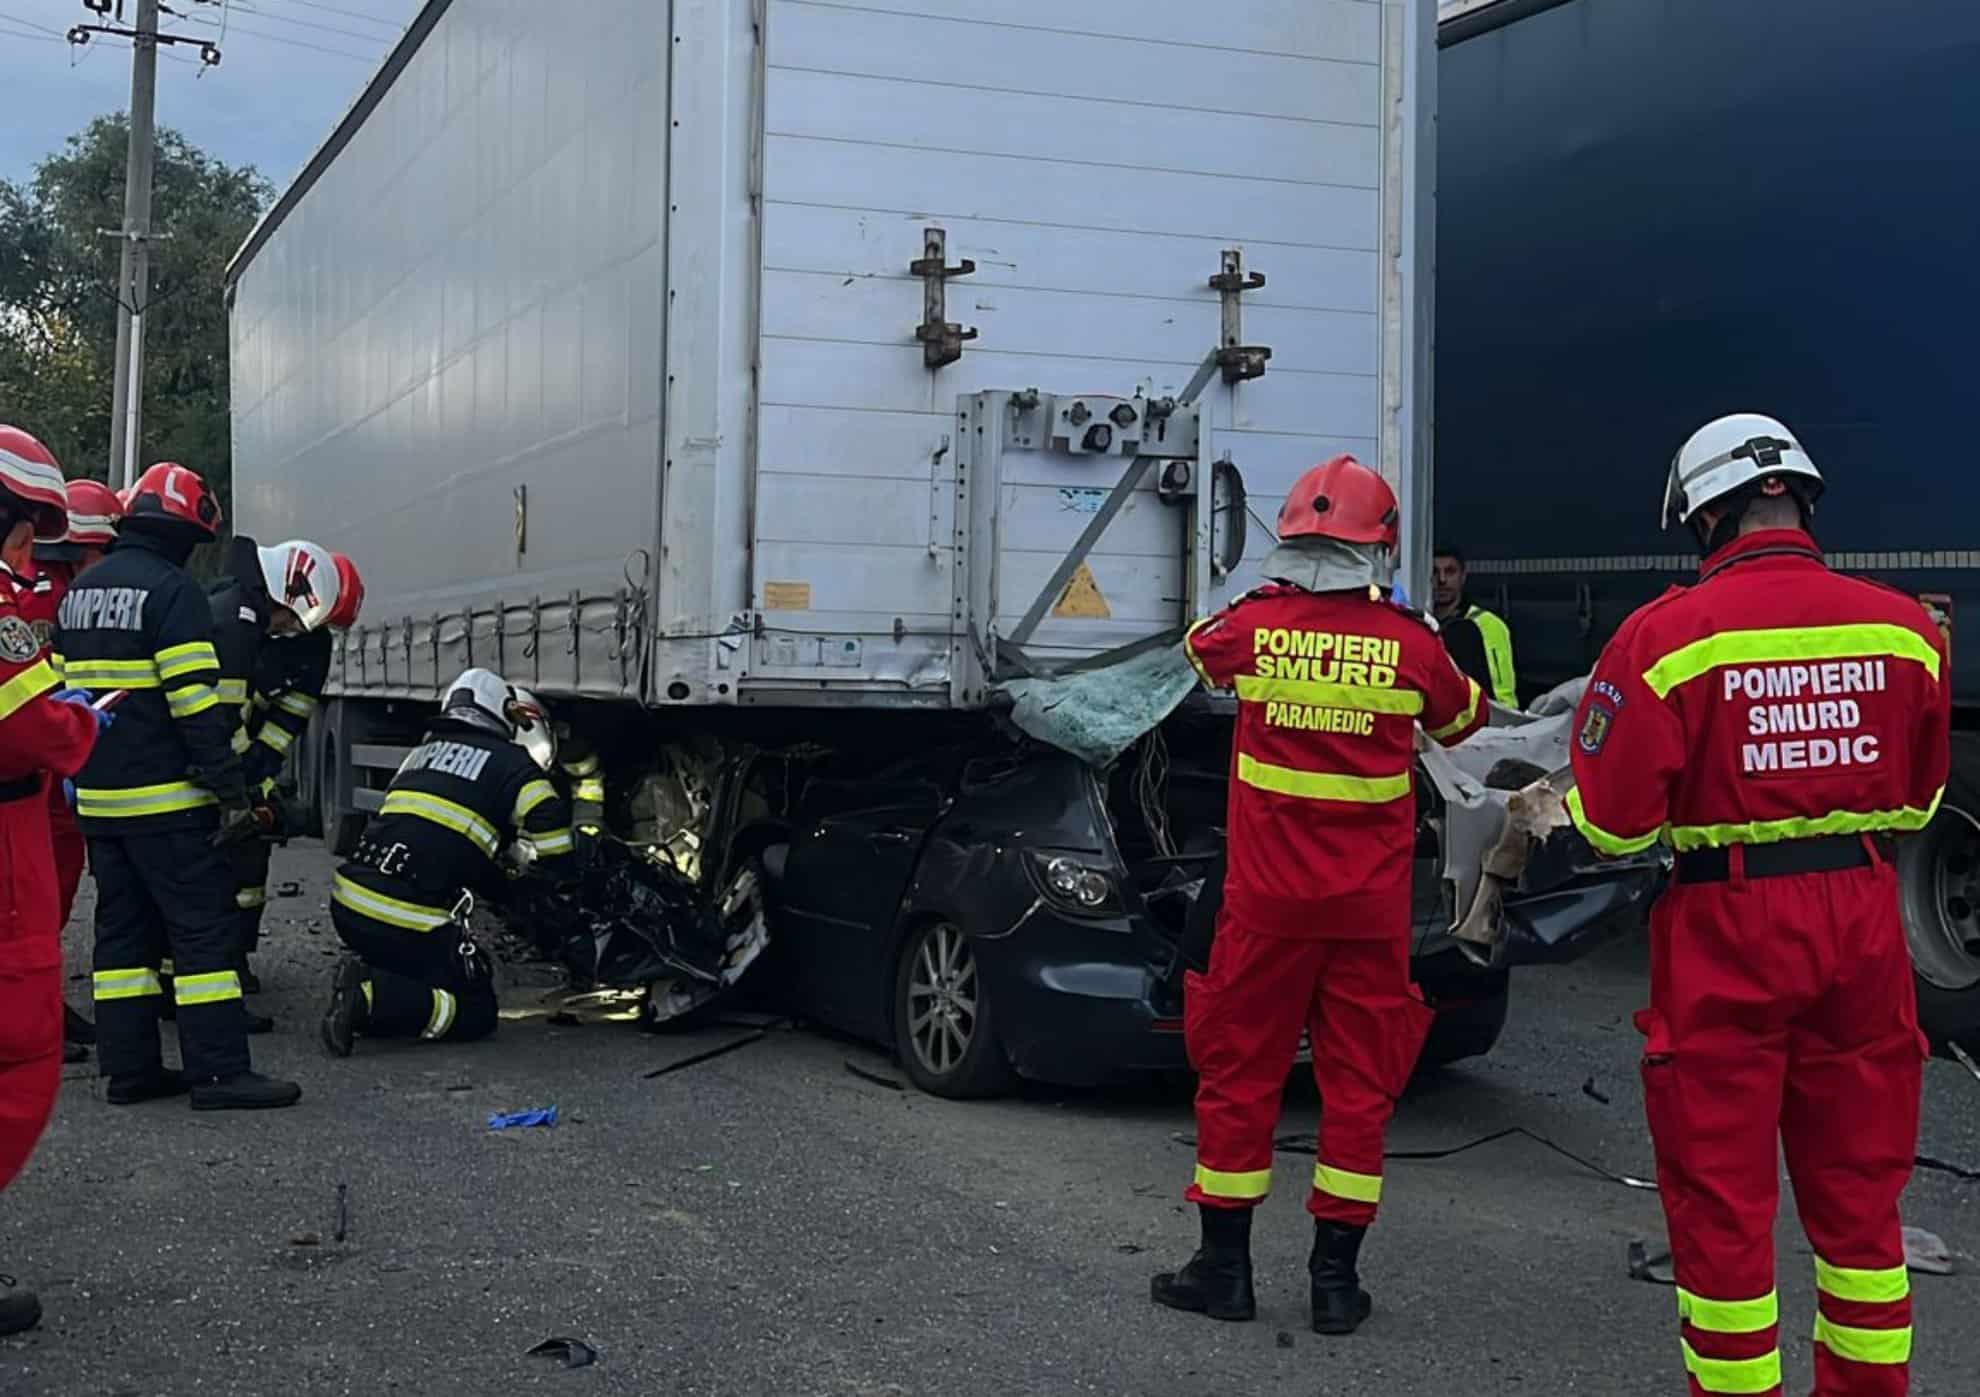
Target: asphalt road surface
768	1222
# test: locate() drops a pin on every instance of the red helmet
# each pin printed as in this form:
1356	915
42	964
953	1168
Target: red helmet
1344	500
29	474
350	594
94	510
168	491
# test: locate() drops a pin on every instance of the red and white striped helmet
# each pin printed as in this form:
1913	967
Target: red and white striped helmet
94	510
304	578
28	472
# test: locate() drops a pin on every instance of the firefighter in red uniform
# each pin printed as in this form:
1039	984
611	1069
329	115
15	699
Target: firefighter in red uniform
42	741
1332	679
93	514
1777	724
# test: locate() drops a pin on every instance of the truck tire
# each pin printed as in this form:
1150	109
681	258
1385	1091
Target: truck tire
341	828
945	1030
1939	894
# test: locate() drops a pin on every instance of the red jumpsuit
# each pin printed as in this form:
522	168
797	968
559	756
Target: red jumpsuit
1776	723
38	736
40	600
1314	931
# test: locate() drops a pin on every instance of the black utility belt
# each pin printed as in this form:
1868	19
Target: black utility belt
1829	854
20	788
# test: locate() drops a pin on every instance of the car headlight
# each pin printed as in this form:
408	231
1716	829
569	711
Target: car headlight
1073	886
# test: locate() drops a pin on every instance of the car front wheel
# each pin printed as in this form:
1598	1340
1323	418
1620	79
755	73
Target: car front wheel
945	1032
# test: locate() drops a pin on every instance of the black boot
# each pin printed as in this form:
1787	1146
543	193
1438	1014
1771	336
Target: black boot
20	1310
135	1087
250	982
76	1028
1217	1280
1339	1302
245	1091
73	1053
256	1023
347	1011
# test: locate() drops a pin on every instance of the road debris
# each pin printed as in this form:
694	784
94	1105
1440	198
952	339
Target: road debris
1927	1253
743	1042
1593	1092
289	889
1655	1270
1285	1339
575	1353
879	1079
343	1212
1965	1059
513	1120
306	1239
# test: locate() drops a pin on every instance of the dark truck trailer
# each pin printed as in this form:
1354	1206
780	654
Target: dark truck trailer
1652	212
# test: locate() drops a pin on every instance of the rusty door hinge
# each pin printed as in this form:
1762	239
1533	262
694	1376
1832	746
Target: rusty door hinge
1238	360
941	339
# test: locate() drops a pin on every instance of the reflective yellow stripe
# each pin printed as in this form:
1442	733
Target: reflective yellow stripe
241	741
533	794
1614	845
1189	652
1321	785
1345	1183
1877	1287
591	789
111	674
584	766
551	843
1253	689
296	705
277	737
214	987
1905	818
25	687
133	801
1494	635
1786	646
444	813
1730	1316
247	899
194	698
260	701
1734	1375
233	691
126	984
1883	1346
1251	1183
1463	720
410	916
177	661
442	1017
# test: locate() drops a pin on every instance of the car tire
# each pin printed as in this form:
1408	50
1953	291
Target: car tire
945	1030
1471	1014
1939	895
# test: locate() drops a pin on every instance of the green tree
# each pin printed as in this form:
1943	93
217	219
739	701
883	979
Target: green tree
58	300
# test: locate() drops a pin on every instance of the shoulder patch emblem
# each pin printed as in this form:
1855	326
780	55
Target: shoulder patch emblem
44	633
1605	700
17	642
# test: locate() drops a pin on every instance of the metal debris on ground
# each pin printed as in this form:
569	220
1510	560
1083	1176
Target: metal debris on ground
743	1042
1593	1092
289	889
306	1239
879	1079
1656	1270
575	1353
343	1212
513	1120
1927	1253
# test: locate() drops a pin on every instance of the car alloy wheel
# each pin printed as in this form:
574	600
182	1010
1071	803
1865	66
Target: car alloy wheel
942	1000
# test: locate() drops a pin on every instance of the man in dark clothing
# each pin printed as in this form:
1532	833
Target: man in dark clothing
1476	638
161	796
461	799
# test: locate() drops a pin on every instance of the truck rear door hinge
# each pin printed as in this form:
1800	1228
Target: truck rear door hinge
941	339
1238	360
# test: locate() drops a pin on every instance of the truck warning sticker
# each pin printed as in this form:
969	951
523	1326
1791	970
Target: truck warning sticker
1082	600
787	596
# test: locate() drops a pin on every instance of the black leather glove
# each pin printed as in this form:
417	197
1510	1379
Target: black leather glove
240	822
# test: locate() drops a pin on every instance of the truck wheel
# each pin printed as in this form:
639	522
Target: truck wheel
1939	893
341	829
1471	1009
945	1032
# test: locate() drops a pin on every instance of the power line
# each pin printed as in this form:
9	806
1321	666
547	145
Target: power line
350	14
301	23
240	28
30	24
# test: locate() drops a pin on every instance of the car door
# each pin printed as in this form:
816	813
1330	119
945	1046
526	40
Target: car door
853	851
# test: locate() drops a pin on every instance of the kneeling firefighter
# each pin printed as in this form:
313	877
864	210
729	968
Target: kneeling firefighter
459	801
1332	678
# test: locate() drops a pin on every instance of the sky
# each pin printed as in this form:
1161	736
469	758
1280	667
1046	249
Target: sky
288	70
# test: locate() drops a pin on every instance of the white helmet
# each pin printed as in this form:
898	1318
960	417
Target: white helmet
1726	455
483	699
534	734
303	578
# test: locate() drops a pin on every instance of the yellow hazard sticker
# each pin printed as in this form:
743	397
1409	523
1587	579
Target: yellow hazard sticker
1081	600
787	596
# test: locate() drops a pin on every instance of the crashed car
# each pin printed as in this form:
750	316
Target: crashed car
991	907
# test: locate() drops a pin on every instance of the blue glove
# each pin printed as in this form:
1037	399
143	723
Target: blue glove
84	700
69	792
1398	592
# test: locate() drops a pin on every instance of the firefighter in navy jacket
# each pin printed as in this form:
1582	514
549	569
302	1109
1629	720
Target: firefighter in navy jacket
463	797
160	798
